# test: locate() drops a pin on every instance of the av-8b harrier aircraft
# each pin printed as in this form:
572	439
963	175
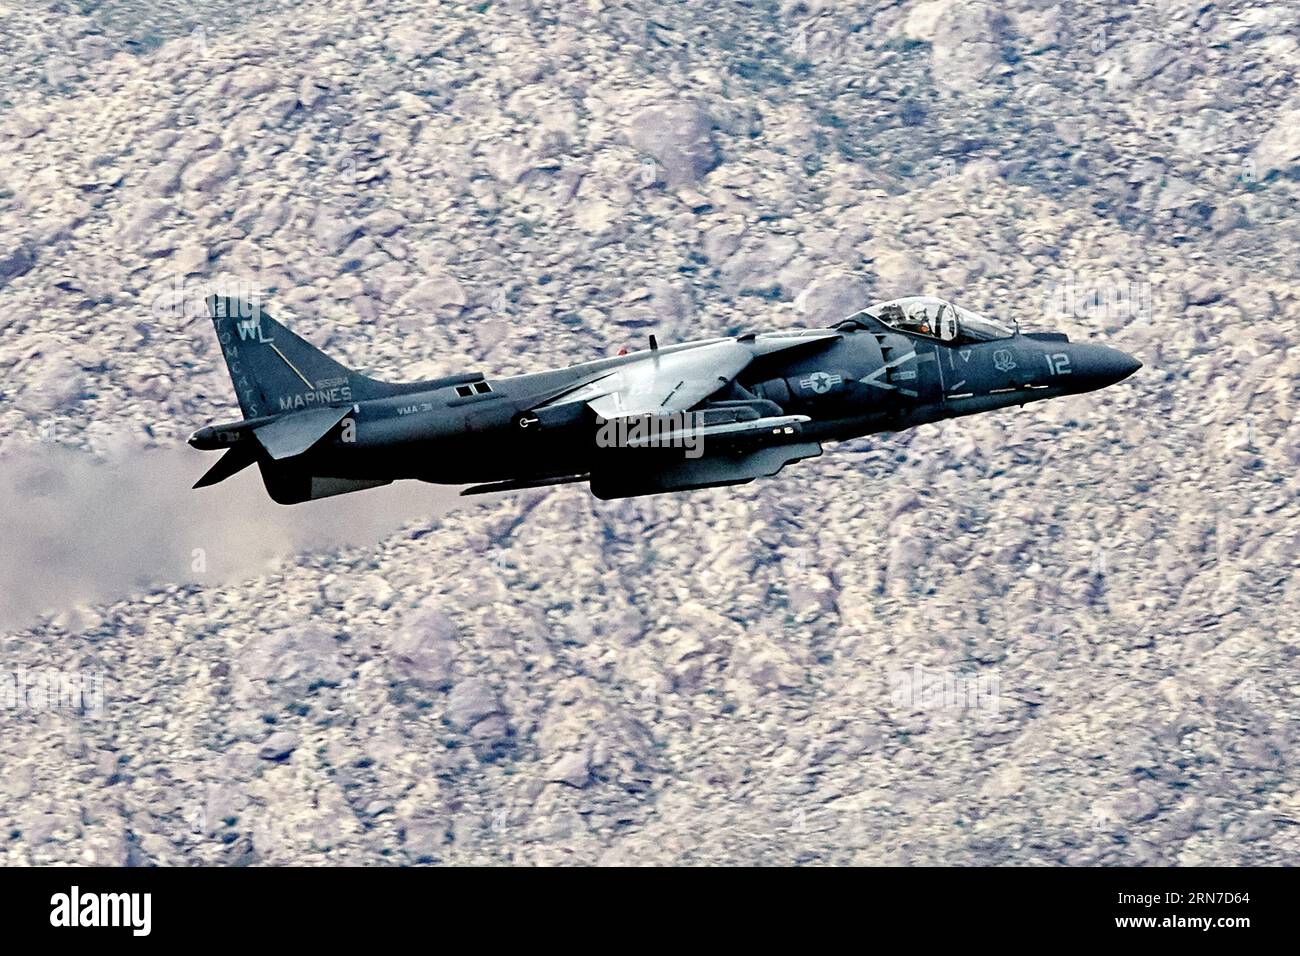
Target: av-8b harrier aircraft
720	411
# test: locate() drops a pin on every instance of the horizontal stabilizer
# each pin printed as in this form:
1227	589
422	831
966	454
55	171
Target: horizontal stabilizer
232	462
294	434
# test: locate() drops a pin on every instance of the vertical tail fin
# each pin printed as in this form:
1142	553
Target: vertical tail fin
275	371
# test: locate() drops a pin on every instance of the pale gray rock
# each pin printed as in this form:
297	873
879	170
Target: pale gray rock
832	298
1134	806
966	46
26	123
206	174
897	268
225	803
1279	149
383	222
490	734
291	662
334	231
573	769
250	81
679	137
163	179
15	263
139	220
470	701
312	89
721	242
758	268
278	746
422	652
1135	62
439	293
424	840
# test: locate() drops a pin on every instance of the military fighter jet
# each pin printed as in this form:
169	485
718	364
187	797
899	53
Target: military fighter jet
720	411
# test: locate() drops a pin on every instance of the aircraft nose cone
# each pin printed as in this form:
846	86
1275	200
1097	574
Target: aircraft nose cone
1121	365
1100	365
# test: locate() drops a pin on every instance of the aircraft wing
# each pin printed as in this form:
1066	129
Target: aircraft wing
663	382
660	382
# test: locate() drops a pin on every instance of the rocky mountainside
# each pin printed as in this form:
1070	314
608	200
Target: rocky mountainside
717	676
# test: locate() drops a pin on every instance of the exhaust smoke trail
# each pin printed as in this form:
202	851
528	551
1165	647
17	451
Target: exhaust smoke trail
76	529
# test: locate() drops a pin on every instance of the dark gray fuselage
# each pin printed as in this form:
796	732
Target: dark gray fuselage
870	379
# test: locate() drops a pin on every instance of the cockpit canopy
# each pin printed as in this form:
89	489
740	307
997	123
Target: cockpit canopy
930	315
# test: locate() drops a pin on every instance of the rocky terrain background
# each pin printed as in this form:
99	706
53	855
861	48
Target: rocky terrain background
424	188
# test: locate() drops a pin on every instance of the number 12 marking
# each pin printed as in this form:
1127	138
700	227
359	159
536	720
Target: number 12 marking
1058	363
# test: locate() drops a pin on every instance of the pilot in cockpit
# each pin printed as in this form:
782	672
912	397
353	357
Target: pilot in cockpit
892	314
932	316
910	320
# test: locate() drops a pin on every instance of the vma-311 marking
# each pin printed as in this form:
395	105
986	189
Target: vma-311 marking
720	411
